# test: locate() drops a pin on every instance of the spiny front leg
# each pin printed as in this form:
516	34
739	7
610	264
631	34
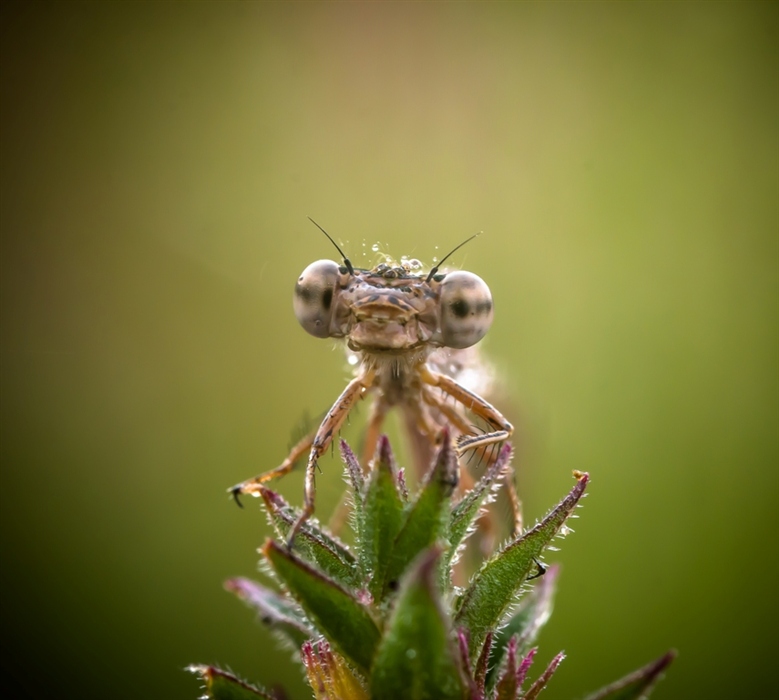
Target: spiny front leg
485	410
476	405
324	436
457	420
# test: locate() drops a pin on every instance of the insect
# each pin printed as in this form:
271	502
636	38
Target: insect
408	331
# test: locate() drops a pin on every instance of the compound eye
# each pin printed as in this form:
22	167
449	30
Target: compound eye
466	309
314	293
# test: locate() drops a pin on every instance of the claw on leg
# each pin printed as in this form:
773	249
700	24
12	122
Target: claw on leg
236	492
540	570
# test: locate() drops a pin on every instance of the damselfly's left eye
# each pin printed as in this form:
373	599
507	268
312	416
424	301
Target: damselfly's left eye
313	300
466	309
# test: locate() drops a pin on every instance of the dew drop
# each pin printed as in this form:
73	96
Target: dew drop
375	247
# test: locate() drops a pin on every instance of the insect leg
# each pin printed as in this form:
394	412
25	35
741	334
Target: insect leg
251	486
324	436
481	408
477	405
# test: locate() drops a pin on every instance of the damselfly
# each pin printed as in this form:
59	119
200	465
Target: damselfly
410	333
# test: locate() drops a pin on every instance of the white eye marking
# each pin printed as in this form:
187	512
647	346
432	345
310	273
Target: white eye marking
466	309
314	297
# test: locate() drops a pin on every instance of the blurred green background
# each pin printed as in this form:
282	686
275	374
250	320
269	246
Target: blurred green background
158	164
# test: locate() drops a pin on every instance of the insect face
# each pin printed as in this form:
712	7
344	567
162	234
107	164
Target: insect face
388	309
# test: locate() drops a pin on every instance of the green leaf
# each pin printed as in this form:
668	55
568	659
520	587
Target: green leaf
382	519
534	690
221	685
425	519
337	613
312	542
274	610
526	621
465	512
639	684
493	588
416	660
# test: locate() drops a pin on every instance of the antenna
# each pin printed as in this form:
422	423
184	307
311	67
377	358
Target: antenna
347	262
432	272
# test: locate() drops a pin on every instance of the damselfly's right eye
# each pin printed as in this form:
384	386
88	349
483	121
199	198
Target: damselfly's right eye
314	293
466	309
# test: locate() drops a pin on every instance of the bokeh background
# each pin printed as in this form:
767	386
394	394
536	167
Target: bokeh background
158	163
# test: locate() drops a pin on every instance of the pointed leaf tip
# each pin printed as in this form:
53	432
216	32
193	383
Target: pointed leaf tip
525	665
275	611
639	684
221	685
353	468
385	451
534	690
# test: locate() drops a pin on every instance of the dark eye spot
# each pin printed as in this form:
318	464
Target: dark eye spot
327	298
303	292
484	307
459	308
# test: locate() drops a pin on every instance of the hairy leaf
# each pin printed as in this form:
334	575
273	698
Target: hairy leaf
466	511
336	612
381	521
526	621
415	659
425	520
312	543
274	610
493	588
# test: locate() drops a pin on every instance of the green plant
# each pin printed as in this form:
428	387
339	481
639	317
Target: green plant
383	620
